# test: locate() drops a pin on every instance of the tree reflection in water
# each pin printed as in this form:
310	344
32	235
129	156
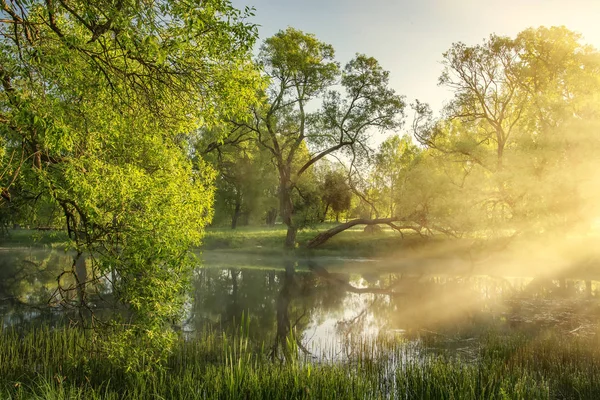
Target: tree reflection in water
28	280
39	286
293	304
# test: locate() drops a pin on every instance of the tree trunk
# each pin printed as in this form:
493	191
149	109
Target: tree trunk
500	152
236	214
325	213
325	236
392	198
290	238
286	207
271	216
81	272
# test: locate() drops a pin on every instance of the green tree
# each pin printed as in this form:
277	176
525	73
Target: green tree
393	159
523	115
96	101
246	184
302	70
335	192
406	188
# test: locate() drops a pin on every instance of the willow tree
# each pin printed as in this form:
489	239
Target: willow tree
96	100
302	71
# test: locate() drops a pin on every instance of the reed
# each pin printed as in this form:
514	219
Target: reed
43	363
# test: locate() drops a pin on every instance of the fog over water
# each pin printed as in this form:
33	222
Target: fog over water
333	304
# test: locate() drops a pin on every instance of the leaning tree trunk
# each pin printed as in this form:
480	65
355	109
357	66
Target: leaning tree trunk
325	236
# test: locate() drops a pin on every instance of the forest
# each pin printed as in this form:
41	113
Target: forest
189	210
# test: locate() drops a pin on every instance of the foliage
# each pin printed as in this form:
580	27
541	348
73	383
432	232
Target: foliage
335	192
395	158
47	364
521	125
301	70
96	100
246	184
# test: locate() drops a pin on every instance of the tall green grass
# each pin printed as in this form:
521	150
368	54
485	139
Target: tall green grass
57	364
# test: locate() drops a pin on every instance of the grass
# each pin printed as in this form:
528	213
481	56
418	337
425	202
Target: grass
269	240
55	364
262	240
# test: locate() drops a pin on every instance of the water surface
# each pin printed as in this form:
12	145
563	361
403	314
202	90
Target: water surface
327	302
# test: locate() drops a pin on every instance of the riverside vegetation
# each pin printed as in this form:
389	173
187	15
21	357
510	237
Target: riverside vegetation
53	364
462	263
492	339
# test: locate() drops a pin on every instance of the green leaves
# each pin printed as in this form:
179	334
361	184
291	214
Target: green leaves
516	117
300	69
299	61
97	101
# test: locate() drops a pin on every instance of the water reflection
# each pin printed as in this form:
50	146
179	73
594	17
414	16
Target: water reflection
28	282
51	287
325	303
326	307
273	301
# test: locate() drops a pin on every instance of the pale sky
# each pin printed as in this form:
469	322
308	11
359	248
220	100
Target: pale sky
409	37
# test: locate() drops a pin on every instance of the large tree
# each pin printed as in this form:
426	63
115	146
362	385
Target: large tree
95	101
302	70
522	122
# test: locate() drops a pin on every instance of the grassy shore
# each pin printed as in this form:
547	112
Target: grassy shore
256	240
353	242
55	364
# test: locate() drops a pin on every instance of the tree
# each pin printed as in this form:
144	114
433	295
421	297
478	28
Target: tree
301	70
246	182
524	112
392	161
96	100
407	189
335	192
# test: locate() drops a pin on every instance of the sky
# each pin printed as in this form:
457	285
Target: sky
408	37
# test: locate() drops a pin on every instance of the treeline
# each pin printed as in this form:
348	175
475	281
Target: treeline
514	151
